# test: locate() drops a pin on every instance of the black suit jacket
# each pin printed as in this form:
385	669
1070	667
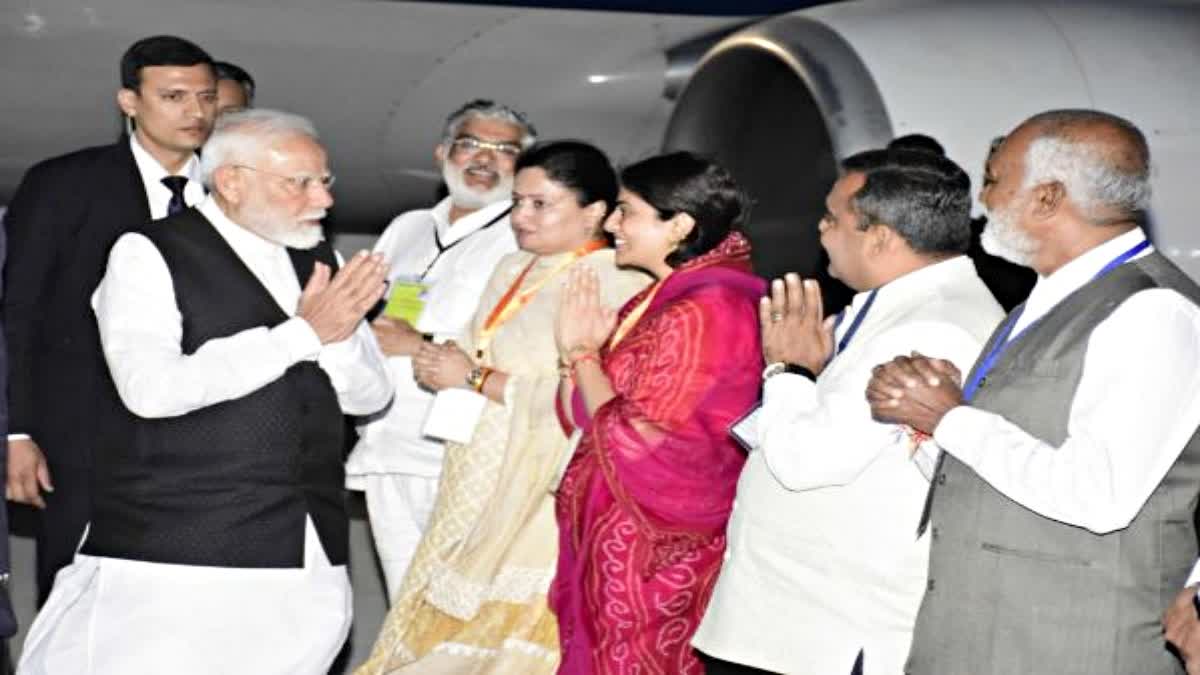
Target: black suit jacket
8	620
61	223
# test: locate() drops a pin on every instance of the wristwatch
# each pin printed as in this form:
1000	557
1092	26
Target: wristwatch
475	378
778	367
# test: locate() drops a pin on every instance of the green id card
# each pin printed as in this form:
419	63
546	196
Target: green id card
406	301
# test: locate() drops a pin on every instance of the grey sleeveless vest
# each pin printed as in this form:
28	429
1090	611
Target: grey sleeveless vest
1012	592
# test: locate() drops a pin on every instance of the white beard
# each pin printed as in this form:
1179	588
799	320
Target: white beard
303	239
290	234
1003	238
466	197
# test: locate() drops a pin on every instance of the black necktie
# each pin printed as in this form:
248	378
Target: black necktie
175	185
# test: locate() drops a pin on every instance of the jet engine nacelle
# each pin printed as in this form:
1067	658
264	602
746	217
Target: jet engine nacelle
782	101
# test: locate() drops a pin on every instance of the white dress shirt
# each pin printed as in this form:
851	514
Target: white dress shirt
822	556
1135	408
391	441
158	195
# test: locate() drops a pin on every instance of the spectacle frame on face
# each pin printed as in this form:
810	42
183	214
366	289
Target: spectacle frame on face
295	184
469	145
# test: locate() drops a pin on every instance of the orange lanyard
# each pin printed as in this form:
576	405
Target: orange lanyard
632	317
514	300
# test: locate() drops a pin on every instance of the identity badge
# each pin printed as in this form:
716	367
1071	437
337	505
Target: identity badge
406	300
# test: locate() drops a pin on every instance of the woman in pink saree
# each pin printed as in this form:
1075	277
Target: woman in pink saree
652	390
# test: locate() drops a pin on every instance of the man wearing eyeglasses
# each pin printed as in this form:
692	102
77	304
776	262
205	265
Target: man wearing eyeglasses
218	539
63	219
439	261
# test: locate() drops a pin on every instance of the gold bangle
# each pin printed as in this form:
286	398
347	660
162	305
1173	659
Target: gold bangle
487	372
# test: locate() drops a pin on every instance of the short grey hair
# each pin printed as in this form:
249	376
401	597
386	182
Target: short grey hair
238	136
1097	178
482	108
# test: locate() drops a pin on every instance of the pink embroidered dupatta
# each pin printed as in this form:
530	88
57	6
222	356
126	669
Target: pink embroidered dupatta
643	504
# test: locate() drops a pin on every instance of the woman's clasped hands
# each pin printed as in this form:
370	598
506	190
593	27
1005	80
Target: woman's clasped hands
584	322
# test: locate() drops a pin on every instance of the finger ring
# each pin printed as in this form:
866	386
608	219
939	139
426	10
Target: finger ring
776	317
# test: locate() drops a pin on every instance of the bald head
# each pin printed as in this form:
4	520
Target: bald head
1101	160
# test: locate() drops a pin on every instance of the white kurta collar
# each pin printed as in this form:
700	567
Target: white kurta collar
1049	291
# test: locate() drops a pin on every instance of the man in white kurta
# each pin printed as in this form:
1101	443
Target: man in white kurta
128	614
824	571
447	253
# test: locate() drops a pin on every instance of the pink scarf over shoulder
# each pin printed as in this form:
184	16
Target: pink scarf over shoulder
644	502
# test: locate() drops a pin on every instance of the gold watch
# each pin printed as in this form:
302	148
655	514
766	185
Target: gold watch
475	378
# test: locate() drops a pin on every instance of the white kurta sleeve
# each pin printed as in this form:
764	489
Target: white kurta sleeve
1135	409
141	331
358	371
816	436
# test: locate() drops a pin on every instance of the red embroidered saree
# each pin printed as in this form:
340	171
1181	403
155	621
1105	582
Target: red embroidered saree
644	501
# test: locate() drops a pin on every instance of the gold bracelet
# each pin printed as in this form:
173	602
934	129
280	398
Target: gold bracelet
487	372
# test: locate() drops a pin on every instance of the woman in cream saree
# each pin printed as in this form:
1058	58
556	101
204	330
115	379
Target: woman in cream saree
474	599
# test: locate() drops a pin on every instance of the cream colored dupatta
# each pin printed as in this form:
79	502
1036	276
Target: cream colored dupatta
474	599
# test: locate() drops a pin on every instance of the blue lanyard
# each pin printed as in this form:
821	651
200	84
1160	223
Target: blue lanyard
858	319
1002	342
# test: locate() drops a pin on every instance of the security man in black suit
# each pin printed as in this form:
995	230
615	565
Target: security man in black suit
8	619
61	222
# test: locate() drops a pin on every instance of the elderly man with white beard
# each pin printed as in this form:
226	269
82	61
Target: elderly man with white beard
440	260
218	538
1060	513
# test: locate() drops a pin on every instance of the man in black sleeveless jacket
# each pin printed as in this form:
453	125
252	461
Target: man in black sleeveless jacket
218	539
1060	515
63	219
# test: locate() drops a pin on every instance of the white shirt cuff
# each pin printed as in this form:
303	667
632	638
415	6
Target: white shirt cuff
787	385
20	437
957	430
298	338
